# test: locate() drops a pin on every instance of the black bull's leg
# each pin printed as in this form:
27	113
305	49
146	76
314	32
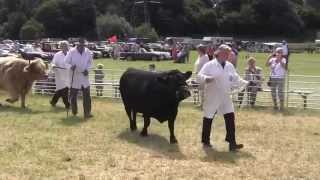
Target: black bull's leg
173	139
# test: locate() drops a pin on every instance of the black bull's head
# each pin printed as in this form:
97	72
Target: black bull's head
176	82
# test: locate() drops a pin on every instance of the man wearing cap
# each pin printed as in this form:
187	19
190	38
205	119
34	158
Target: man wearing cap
61	71
277	64
219	76
80	59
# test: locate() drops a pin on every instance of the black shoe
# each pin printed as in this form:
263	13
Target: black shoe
207	145
235	147
88	116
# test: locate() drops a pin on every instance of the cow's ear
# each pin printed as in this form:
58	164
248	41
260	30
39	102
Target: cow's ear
163	79
188	74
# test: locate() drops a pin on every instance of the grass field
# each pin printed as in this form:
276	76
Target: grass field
41	143
301	64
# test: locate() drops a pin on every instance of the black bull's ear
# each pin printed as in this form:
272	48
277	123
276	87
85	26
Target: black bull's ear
188	74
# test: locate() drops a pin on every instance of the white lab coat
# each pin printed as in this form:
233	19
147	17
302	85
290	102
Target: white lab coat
82	62
217	93
61	71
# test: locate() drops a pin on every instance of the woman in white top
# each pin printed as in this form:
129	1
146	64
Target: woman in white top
200	62
277	64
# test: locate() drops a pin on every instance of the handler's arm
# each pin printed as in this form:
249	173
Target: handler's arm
206	74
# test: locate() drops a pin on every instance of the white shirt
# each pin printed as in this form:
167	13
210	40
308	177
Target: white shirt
277	71
82	62
61	71
217	92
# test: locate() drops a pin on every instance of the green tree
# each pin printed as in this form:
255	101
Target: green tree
14	24
108	25
145	31
70	18
31	30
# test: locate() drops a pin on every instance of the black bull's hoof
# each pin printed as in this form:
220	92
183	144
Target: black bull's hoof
173	140
144	134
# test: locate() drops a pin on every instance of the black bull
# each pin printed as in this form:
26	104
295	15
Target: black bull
155	95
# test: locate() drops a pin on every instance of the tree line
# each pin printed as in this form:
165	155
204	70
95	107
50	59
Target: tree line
97	19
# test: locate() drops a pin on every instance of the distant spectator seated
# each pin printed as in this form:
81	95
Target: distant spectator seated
98	77
182	55
253	74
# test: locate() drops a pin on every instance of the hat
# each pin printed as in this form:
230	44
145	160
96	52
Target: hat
279	49
222	47
100	66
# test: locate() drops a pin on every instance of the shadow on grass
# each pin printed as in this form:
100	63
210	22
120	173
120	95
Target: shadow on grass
213	155
155	143
19	110
72	121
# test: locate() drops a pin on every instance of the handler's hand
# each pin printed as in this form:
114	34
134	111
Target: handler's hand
73	67
85	72
209	80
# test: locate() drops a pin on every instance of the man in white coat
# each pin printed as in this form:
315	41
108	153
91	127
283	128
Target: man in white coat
61	71
219	77
80	59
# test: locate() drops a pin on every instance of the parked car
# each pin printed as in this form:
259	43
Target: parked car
143	54
4	53
30	53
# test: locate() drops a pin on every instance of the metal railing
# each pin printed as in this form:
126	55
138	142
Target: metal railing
300	91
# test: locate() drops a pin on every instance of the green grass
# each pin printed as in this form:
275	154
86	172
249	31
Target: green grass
40	142
302	64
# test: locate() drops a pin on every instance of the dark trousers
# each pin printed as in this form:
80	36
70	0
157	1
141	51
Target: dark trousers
230	129
86	100
62	93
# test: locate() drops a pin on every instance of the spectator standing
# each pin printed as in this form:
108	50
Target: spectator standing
285	52
277	64
200	62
